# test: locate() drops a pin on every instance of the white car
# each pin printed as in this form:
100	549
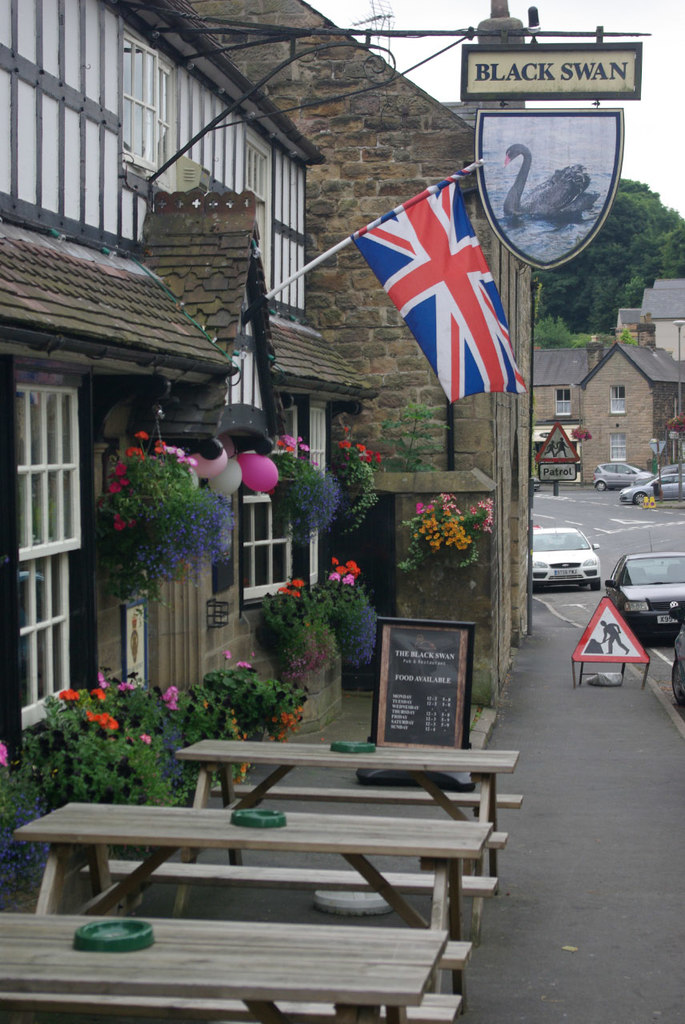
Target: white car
564	555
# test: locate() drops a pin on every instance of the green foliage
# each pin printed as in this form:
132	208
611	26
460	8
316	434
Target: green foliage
259	705
441	525
353	466
551	332
21	864
640	241
412	435
306	499
154	524
626	338
310	624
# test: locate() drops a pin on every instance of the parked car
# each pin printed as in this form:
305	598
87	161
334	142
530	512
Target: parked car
668	489
614	475
642	586
564	555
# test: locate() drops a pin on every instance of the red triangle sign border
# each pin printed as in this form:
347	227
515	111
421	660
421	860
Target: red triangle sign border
607	608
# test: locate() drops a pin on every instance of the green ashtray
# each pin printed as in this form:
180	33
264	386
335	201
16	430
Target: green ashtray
116	935
353	747
256	817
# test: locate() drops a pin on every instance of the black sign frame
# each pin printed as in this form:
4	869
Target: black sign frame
409	706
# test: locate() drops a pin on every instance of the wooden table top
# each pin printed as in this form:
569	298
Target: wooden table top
309	755
217	960
113	824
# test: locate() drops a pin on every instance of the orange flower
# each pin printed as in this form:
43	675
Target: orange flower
297	583
69	695
98	694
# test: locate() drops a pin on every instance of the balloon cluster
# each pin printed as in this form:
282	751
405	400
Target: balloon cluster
225	468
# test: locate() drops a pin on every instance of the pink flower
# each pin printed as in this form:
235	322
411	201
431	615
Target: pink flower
102	682
227	655
335	577
349	579
3	755
124	687
145	738
243	664
170	698
120	469
419	507
114	487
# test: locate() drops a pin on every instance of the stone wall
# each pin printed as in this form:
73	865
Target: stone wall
384	140
637	423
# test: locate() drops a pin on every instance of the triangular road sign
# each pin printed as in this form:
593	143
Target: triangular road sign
557	447
608	638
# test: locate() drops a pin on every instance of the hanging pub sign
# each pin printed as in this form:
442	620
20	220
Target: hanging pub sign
548	178
552	71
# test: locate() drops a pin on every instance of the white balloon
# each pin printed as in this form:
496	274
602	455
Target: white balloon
229	480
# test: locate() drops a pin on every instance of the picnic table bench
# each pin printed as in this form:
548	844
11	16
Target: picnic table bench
93	828
239	971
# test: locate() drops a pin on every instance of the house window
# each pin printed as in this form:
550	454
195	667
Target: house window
258	180
617	447
49	528
147	105
618	398
563	401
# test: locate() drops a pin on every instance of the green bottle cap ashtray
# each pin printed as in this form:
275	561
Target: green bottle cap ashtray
353	747
255	817
119	935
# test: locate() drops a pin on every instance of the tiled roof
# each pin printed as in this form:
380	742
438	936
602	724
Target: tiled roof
305	359
51	285
655	364
628	316
561	366
666	300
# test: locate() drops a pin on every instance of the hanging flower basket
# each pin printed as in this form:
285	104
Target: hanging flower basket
306	498
354	466
441	526
677	423
155	524
581	434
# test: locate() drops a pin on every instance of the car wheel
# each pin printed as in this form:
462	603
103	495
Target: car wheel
595	584
677	683
639	497
600	486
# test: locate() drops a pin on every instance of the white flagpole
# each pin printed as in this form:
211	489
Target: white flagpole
346	241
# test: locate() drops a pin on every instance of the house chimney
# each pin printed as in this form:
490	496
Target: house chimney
595	351
646	331
499	21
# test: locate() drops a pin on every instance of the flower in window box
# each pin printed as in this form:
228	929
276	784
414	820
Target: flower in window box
440	526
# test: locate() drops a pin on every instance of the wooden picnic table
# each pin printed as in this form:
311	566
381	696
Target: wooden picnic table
245	971
220	756
93	828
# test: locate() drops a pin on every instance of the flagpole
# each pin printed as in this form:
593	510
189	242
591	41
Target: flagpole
346	241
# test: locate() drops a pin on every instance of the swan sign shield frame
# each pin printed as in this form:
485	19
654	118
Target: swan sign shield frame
548	178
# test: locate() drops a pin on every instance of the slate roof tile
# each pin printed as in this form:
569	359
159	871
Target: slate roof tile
304	357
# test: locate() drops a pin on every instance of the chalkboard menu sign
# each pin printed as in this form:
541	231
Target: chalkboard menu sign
423	692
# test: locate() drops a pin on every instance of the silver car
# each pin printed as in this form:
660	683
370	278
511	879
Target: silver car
564	555
669	489
614	475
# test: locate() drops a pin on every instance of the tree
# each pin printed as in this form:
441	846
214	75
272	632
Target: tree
640	241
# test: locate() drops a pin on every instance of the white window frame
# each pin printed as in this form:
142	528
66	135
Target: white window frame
617	447
48	487
562	405
618	400
258	175
152	100
317	455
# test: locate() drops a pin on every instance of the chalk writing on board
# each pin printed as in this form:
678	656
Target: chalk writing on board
422	692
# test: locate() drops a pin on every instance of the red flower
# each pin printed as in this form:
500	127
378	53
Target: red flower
142	436
344	444
69	695
99	694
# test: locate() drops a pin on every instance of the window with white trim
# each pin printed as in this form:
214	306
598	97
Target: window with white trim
563	402
617	447
618	398
147	105
258	180
317	455
49	528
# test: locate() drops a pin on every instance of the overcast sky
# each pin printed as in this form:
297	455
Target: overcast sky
654	126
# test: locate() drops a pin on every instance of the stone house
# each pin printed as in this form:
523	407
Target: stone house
622	394
104	114
662	304
384	140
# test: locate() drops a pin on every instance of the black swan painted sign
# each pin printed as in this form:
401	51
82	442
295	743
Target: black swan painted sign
548	178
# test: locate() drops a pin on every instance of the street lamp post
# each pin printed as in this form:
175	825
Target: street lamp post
680	324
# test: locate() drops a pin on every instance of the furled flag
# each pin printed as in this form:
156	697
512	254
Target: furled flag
427	257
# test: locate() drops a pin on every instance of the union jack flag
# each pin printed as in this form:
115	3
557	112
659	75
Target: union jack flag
427	257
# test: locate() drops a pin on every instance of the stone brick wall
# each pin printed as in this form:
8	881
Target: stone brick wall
384	140
637	423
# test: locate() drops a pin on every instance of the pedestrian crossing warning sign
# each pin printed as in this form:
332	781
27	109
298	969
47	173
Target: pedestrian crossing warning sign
557	447
608	638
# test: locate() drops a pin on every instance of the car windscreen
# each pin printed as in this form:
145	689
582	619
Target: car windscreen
569	541
650	572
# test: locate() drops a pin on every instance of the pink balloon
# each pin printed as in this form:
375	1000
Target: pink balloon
227	442
259	471
209	468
